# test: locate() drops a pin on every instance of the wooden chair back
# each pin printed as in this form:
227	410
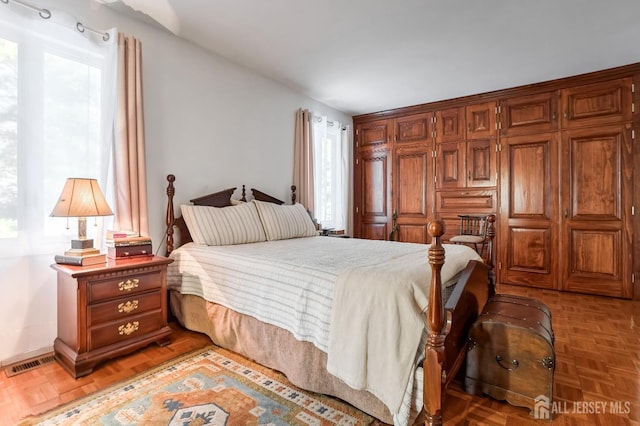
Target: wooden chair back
473	225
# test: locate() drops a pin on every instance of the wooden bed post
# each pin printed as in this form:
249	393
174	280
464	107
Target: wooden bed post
434	374
244	194
170	219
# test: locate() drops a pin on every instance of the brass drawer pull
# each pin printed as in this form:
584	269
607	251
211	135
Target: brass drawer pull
128	329
130	306
128	285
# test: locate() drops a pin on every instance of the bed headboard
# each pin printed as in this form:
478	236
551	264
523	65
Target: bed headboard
217	199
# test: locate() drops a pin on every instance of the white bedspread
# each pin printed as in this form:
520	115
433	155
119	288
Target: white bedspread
291	284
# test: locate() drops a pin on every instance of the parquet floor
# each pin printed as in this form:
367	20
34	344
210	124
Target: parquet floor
597	344
597	370
48	386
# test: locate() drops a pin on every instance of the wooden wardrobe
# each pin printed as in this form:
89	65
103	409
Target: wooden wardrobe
553	161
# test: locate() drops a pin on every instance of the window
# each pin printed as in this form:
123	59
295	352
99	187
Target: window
330	157
52	86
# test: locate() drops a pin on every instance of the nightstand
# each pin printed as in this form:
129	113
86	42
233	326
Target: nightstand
109	310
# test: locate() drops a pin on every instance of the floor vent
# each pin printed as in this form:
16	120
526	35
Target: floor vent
28	364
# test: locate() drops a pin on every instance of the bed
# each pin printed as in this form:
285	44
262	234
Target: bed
323	302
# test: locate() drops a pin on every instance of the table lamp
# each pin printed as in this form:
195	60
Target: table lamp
81	198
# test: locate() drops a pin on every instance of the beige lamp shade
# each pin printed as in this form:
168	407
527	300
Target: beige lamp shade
81	198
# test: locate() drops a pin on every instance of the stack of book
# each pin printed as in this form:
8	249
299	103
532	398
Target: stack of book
81	257
126	244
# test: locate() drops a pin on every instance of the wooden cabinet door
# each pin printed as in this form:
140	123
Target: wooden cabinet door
372	197
450	125
450	165
528	230
481	163
373	133
597	104
412	129
529	114
596	208
412	167
481	120
469	164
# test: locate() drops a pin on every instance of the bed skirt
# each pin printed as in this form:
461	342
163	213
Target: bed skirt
303	364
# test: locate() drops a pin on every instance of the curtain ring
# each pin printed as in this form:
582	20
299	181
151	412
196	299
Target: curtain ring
45	14
106	36
5	1
80	27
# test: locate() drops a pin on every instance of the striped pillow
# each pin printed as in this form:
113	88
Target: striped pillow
281	222
220	226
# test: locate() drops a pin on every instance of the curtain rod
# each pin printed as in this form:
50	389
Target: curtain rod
317	117
46	14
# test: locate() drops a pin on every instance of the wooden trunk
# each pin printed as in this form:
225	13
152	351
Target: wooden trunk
511	355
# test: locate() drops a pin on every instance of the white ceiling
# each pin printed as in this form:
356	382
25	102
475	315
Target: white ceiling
361	56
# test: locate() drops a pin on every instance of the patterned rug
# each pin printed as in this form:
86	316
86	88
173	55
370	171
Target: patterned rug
211	386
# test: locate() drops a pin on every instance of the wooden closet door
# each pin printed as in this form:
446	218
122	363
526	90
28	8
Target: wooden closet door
412	167
412	164
373	194
528	235
596	202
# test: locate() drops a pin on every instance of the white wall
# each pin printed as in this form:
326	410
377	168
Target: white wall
213	124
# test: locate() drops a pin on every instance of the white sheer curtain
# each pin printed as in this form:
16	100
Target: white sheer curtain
57	100
57	103
331	149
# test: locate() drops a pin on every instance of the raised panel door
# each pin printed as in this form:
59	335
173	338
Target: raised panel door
529	114
372	195
481	120
450	165
411	206
481	163
529	208
372	133
596	202
450	125
412	129
597	104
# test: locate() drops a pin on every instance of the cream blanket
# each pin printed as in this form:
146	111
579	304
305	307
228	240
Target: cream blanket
378	318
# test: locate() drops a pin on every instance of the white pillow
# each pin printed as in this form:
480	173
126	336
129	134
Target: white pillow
219	226
281	222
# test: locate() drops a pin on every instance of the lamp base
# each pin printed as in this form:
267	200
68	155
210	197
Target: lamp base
82	244
80	248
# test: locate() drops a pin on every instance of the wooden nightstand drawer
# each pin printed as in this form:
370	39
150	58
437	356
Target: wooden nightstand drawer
122	286
123	308
127	328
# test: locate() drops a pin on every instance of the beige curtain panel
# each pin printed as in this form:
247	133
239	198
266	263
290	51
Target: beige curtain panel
129	159
303	159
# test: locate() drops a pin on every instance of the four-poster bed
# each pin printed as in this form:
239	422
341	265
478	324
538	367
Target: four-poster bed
451	306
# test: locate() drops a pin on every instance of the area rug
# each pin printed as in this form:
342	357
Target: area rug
211	386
